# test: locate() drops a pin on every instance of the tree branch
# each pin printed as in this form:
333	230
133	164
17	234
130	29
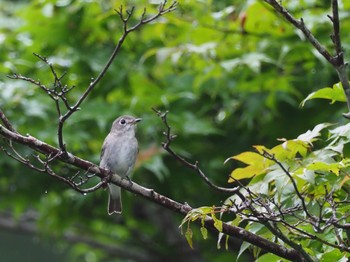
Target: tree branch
150	194
302	27
166	145
271	157
161	11
59	90
337	61
7	122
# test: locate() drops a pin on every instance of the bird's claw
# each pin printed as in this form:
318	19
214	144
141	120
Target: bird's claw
128	178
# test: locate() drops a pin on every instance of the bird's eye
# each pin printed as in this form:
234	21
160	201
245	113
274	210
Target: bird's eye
122	121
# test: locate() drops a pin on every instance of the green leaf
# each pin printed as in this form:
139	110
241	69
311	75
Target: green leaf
252	60
269	257
204	232
188	236
289	149
217	223
334	255
329	167
310	135
334	94
195	214
243	248
342	131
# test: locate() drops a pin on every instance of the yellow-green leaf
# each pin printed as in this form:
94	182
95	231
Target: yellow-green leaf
257	165
261	149
334	94
204	232
289	149
217	222
189	235
329	167
346	179
249	158
321	166
245	172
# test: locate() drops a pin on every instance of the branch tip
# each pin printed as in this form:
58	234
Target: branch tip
330	18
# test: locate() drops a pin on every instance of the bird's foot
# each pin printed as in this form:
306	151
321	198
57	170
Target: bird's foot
128	178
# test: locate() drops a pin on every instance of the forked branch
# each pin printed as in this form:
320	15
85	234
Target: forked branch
166	145
59	91
336	60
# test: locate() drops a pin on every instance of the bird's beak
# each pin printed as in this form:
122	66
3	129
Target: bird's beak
136	120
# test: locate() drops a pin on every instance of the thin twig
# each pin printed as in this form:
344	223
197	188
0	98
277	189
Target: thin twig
59	90
336	32
46	169
152	195
7	122
269	219
315	237
76	186
20	158
302	27
272	158
162	10
337	61
166	145
117	48
32	81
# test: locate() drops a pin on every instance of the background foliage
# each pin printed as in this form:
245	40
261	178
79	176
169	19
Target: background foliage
232	75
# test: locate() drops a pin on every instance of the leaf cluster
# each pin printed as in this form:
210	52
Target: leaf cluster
298	193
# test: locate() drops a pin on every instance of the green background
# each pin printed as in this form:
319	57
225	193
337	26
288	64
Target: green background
232	74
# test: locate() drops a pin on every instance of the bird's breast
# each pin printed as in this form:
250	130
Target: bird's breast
121	156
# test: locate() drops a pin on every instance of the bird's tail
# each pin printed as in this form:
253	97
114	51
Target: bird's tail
114	200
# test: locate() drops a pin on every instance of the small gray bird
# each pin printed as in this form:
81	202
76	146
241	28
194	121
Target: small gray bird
118	154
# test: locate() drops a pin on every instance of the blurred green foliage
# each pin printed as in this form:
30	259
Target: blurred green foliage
231	73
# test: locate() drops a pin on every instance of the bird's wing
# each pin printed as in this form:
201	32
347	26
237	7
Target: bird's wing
103	151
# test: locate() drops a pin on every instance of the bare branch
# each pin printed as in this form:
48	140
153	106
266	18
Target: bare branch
149	194
16	156
7	122
302	27
59	91
336	32
54	94
337	61
268	218
303	233
116	50
166	145
32	81
272	158
162	10
46	169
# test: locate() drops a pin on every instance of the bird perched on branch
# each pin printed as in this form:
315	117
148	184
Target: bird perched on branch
118	154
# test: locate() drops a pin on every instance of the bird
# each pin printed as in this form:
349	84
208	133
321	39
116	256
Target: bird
118	154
